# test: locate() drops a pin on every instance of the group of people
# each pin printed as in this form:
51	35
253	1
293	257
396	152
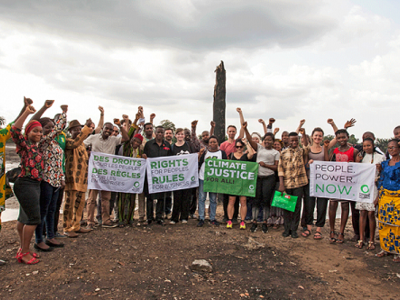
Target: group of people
54	164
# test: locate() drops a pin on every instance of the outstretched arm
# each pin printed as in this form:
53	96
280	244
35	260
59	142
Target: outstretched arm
27	102
212	123
194	139
241	132
101	120
250	149
21	119
304	139
47	104
124	134
248	136
264	125
300	126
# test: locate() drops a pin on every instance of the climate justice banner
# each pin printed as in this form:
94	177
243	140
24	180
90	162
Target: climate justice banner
170	173
343	181
116	173
230	177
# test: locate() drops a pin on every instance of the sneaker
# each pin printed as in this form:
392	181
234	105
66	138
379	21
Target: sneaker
109	225
242	225
59	235
295	235
253	227
264	227
214	223
225	219
172	222
160	222
229	225
184	221
201	223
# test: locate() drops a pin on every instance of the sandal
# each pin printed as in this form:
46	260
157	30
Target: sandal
359	244
35	255
32	261
306	233
371	245
340	241
332	239
381	254
318	235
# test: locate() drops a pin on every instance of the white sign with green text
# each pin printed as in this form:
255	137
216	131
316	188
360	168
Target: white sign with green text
343	181
116	173
170	173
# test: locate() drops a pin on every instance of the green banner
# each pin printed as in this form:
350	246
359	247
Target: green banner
284	201
231	177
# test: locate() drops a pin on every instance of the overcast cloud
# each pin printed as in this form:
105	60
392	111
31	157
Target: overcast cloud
284	59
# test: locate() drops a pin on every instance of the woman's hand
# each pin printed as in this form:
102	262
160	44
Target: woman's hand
117	122
326	143
144	156
276	130
310	161
30	109
261	121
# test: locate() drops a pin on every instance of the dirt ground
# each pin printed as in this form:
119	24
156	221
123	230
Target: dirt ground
154	263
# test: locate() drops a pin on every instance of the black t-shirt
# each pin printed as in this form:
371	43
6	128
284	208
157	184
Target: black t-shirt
152	149
181	150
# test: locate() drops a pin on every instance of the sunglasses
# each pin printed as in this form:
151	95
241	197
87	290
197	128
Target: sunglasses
116	131
239	146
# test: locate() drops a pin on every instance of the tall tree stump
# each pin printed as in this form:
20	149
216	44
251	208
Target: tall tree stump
219	104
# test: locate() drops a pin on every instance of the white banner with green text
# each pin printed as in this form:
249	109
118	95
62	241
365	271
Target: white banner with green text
116	173
170	173
343	181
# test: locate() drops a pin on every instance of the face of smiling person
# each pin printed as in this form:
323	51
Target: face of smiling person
231	132
277	146
342	139
35	134
268	142
180	136
317	137
135	142
107	131
168	135
368	147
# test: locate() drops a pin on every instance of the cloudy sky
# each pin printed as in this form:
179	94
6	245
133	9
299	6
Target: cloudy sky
286	59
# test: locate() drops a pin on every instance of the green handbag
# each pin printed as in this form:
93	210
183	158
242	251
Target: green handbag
284	201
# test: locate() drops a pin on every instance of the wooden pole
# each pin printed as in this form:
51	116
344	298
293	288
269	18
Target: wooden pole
219	104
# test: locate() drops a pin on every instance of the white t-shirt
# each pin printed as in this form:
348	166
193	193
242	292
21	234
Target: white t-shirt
267	156
209	155
378	159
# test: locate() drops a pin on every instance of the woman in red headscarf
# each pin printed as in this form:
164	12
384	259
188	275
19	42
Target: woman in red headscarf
27	186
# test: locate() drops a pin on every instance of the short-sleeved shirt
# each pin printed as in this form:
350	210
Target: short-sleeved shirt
267	156
103	146
181	150
210	155
228	147
152	149
292	167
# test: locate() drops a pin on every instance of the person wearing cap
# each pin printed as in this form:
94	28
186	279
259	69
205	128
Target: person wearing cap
76	168
103	142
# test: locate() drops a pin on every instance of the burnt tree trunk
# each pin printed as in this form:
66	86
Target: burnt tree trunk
219	104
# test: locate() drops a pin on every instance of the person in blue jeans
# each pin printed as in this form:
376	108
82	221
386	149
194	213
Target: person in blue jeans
213	152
